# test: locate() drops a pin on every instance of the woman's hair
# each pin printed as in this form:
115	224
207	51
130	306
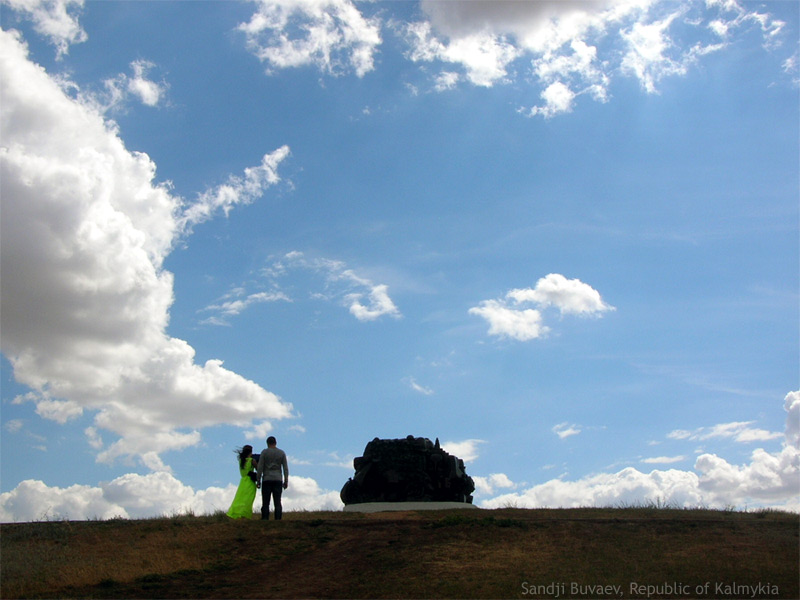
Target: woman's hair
243	453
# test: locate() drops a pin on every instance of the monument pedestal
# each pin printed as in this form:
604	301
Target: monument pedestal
372	507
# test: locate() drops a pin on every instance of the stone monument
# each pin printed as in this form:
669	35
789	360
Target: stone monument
407	470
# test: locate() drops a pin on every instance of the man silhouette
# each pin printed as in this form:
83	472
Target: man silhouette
270	464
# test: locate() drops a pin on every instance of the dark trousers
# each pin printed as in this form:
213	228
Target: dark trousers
273	489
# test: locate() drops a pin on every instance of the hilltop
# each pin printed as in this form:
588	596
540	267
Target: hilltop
507	553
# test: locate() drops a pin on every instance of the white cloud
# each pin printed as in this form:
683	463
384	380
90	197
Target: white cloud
140	496
305	493
580	68
553	34
421	389
259	431
564	430
570	296
770	479
647	55
485	57
55	19
446	81
148	92
94	438
583	61
466	450
237	190
733	15
486	39
523	20
522	325
379	304
557	98
338	462
85	231
118	90
486	486
757	435
574	48
59	411
791	66
329	34
628	486
32	500
791	405
738	431
14	425
663	460
237	301
366	300
564	48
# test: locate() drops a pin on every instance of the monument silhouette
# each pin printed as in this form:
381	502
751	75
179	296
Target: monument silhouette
411	469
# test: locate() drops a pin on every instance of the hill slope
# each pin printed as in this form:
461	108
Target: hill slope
509	553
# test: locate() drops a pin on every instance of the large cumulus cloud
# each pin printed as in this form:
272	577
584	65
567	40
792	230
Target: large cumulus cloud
85	298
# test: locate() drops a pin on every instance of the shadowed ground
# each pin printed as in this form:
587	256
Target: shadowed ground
508	553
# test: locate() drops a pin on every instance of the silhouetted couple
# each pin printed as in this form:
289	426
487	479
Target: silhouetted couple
270	472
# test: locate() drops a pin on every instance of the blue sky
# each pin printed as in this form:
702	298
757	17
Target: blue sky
562	237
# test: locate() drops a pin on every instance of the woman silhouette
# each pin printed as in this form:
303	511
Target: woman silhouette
242	505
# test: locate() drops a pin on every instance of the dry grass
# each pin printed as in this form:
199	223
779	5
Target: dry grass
449	554
85	553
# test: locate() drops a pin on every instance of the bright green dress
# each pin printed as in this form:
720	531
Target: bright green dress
242	506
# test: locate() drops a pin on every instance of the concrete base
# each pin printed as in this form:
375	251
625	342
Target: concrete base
371	507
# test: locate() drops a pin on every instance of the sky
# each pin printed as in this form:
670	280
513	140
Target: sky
560	237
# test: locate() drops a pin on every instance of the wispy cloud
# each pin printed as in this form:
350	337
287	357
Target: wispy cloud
236	302
118	91
237	190
339	462
663	460
365	300
147	91
14	425
738	431
421	389
565	430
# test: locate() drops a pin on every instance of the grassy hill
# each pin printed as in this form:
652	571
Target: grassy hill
507	553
